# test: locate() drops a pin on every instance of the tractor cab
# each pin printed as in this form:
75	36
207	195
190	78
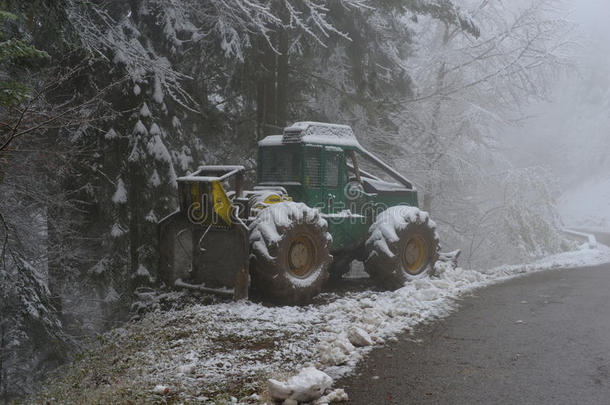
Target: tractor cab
324	166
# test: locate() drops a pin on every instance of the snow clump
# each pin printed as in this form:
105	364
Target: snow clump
309	385
161	389
359	337
120	195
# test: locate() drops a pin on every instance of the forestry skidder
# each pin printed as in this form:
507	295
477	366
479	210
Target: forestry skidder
321	201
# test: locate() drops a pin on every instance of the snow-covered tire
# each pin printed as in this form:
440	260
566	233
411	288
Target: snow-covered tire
402	245
289	253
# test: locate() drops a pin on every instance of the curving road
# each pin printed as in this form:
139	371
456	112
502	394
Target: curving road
539	339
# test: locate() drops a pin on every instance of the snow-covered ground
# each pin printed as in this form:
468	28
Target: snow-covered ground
230	349
588	205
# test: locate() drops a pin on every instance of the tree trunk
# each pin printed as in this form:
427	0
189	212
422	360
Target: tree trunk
282	82
3	373
260	108
273	83
55	276
434	143
269	101
133	201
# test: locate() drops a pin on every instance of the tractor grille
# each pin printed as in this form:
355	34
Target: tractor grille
292	136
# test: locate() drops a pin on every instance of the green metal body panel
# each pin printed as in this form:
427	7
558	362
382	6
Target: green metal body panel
323	182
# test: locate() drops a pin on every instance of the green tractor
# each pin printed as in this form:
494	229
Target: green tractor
321	201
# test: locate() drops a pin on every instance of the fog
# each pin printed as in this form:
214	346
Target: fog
592	15
568	130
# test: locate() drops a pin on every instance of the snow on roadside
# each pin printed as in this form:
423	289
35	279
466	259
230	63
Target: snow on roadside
215	348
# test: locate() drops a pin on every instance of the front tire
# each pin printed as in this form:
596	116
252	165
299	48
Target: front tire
289	258
402	244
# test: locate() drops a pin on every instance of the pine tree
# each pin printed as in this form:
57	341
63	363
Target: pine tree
31	334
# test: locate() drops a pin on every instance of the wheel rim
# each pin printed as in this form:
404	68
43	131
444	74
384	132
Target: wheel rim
414	255
301	257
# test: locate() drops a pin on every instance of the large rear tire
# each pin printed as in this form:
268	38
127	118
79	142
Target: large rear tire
289	253
402	245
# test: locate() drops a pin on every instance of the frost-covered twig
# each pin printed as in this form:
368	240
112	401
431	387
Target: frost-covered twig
4	239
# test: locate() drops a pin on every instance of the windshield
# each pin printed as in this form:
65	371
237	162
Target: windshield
280	164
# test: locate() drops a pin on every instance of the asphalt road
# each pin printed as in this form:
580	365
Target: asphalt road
539	339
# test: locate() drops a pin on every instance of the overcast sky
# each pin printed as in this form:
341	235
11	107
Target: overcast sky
591	10
555	122
593	16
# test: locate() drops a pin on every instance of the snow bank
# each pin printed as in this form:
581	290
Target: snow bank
214	347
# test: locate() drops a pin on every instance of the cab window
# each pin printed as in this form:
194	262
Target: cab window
333	165
280	164
313	167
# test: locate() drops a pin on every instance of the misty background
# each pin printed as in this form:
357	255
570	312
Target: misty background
569	131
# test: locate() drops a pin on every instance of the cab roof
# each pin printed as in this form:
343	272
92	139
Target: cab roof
319	133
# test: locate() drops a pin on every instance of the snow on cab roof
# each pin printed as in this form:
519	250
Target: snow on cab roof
314	132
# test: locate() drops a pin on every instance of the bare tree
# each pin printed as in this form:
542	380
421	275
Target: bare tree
469	89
